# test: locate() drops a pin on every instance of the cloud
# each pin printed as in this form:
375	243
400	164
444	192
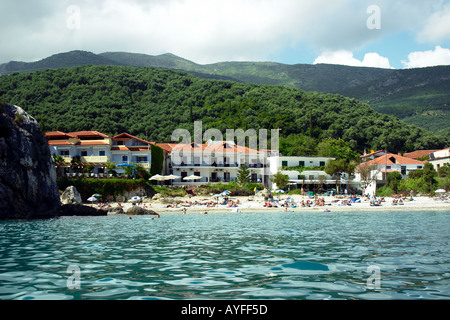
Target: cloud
420	59
437	27
344	57
203	31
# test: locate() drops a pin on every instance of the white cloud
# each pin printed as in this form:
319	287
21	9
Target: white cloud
437	27
203	31
420	59
344	57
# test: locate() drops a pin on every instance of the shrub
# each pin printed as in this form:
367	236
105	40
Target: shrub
106	187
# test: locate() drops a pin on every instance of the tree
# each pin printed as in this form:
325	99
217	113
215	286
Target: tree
88	169
157	154
393	180
336	148
338	166
429	176
243	176
111	166
59	162
368	174
281	180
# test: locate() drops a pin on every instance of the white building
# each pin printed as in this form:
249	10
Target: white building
126	148
311	177
440	158
95	149
380	166
214	162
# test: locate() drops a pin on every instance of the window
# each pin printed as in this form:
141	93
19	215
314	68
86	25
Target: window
284	163
64	153
301	163
322	163
102	153
84	153
124	158
403	170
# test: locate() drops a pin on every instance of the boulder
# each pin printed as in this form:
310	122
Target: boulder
80	210
28	186
71	196
263	194
115	210
136	210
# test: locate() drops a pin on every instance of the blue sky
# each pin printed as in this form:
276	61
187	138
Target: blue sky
377	33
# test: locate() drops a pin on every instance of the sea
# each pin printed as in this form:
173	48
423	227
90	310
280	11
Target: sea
301	255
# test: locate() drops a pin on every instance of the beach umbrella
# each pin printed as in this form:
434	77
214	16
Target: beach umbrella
157	177
135	198
279	191
172	177
96	195
125	165
192	177
440	191
91	199
225	193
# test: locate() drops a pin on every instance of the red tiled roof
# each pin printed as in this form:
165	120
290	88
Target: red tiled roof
372	153
58	134
166	146
91	143
126	136
59	143
392	159
125	148
88	134
418	153
216	147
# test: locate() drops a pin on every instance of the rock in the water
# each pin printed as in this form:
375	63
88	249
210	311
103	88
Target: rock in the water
80	210
136	210
115	210
28	186
71	196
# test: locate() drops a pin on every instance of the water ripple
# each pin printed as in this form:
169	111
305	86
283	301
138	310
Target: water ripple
261	255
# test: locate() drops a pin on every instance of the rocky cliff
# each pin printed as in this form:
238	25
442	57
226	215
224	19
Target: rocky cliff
28	186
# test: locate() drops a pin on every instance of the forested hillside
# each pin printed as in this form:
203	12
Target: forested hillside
418	96
151	103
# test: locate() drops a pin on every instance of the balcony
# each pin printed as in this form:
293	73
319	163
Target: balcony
95	159
204	165
216	165
145	165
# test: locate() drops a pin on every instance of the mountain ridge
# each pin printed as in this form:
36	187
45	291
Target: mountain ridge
418	96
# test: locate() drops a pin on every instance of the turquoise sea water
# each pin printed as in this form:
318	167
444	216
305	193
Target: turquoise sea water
258	255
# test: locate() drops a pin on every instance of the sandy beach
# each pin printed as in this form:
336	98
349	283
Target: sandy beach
199	204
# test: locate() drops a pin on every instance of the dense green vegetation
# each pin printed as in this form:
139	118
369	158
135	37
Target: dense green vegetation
417	96
423	181
106	187
152	103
